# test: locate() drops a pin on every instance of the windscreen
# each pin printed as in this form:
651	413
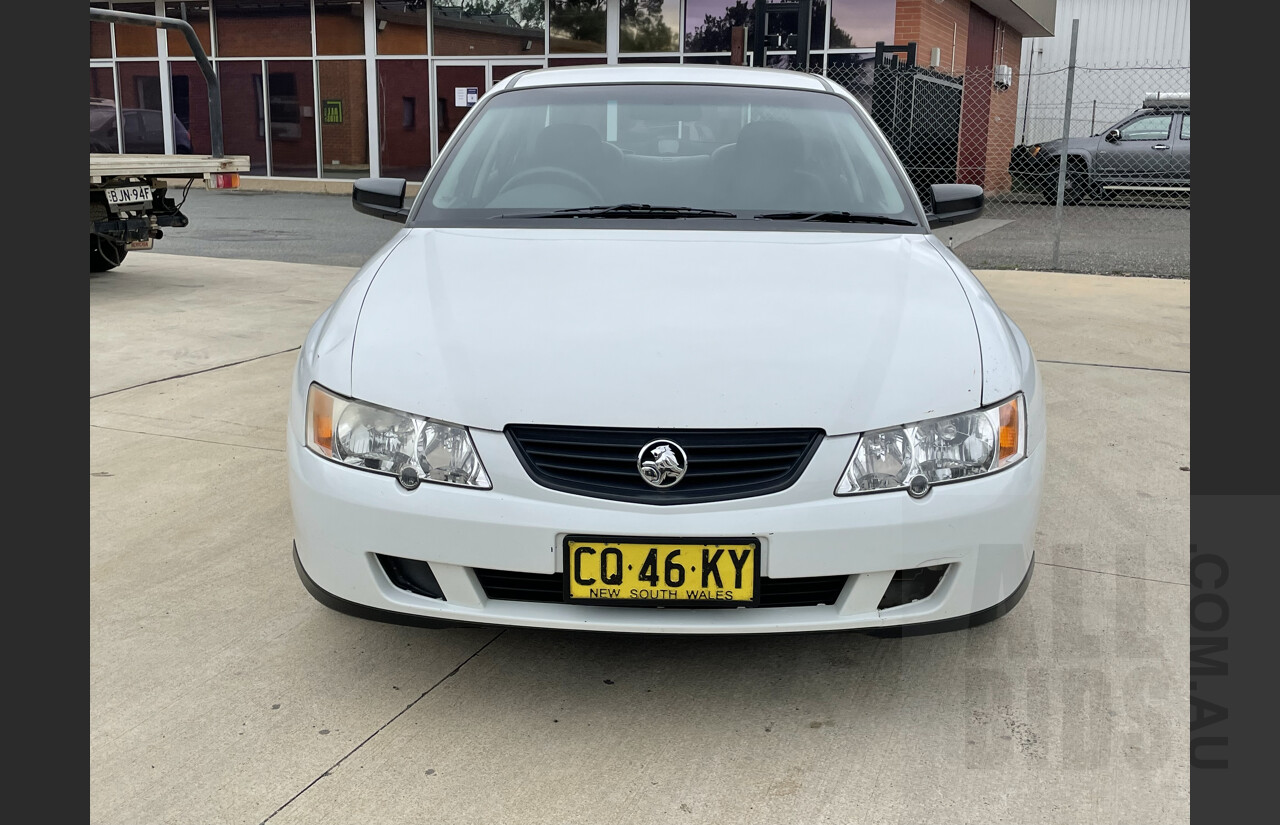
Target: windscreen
101	116
739	150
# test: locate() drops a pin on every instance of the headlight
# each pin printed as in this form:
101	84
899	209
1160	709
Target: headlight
1035	150
410	447
956	447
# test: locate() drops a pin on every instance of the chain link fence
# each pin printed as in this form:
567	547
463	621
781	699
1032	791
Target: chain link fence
1116	201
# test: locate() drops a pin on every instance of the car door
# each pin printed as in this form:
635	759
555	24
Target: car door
1180	154
1141	153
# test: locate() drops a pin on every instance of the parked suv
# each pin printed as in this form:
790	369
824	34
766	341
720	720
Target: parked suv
1150	150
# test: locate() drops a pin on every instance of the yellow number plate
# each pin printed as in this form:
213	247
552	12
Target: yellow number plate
706	572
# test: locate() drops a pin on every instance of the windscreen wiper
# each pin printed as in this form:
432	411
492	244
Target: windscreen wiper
834	217
627	210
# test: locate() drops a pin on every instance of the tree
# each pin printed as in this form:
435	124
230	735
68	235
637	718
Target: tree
644	29
580	20
527	13
714	33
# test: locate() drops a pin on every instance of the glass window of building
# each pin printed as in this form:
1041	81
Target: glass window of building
141	110
784	27
404	123
649	26
291	110
104	134
402	26
251	28
243	118
491	27
191	105
197	15
99	36
339	27
577	26
858	24
708	23
135	41
344	125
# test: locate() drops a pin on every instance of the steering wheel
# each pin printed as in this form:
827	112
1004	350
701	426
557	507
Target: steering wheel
553	174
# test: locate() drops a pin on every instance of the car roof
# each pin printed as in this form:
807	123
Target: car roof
666	73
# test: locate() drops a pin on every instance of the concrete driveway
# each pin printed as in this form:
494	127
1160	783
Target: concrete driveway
221	692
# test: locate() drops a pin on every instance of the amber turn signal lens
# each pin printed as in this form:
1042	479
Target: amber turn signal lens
320	419
1010	435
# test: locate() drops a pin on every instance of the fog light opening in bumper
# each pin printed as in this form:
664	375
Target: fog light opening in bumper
411	575
909	586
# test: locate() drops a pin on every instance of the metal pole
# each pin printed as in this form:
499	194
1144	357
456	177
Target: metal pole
803	32
758	46
1093	119
1062	153
215	96
1026	88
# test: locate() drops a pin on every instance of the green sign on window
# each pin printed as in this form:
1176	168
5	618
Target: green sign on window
331	112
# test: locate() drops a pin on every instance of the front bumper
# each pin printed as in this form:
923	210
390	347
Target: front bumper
1032	172
983	529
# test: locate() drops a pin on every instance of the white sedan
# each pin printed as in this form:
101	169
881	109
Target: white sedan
667	349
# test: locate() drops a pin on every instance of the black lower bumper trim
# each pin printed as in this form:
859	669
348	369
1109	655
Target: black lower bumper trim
377	614
361	611
969	620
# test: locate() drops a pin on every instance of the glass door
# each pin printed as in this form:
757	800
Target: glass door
459	84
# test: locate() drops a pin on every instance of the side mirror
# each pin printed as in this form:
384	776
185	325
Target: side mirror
1112	136
380	197
955	202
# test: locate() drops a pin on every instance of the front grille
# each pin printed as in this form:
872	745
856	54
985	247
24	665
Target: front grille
549	588
722	464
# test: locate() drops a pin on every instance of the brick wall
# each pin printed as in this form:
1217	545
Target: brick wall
99	40
338	31
135	41
459	42
178	41
282	33
403	38
932	25
1002	129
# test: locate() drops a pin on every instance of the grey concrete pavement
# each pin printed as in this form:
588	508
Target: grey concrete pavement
960	233
221	692
1141	236
296	227
1014	233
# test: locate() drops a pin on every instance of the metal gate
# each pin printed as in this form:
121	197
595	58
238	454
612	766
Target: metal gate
918	109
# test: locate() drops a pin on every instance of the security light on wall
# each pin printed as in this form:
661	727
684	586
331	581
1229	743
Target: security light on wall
382	25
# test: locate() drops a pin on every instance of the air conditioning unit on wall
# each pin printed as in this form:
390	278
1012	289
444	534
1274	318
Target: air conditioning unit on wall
1003	77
